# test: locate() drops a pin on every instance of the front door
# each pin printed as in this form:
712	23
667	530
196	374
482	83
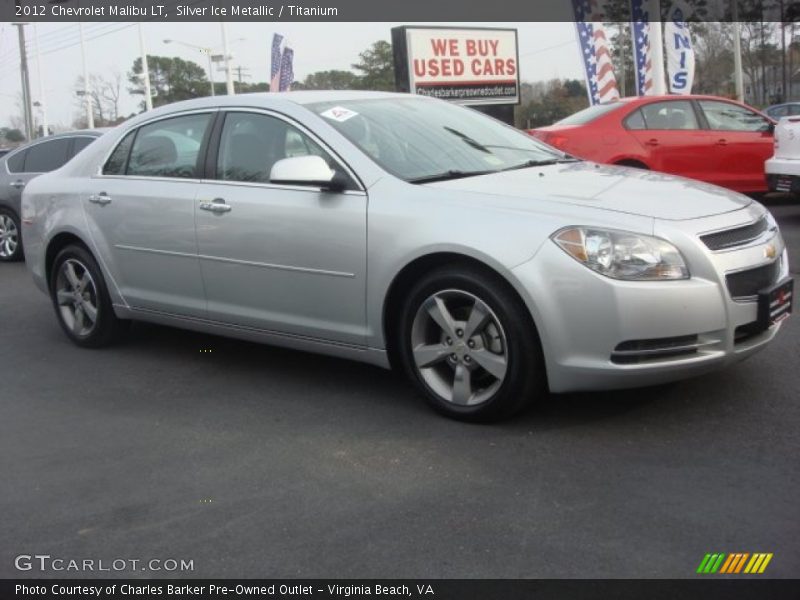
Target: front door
284	258
744	140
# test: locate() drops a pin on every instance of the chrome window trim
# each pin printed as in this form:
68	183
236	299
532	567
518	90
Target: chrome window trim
281	186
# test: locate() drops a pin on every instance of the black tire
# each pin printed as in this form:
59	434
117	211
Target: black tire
106	327
17	254
524	379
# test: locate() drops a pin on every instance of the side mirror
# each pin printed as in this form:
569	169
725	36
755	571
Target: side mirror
307	170
771	127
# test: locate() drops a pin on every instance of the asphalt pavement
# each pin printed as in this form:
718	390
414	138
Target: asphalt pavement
252	461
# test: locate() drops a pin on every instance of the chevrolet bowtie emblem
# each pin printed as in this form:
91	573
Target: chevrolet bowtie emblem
769	251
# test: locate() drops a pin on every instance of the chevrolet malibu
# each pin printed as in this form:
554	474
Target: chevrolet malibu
405	231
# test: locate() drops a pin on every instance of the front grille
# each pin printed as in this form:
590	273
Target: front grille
731	238
637	351
748	283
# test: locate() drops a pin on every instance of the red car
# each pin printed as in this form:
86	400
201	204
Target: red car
703	137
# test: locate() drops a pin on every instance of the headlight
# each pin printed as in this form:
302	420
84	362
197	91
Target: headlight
623	255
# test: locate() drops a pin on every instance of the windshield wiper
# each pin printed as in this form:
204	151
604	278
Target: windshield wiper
541	163
468	140
448	175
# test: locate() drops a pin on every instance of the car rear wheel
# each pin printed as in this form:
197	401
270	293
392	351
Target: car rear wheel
10	238
81	299
470	346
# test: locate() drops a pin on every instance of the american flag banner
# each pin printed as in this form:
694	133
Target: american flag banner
275	64
642	13
601	84
287	71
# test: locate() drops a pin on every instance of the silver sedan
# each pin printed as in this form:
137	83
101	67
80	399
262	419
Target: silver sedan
405	231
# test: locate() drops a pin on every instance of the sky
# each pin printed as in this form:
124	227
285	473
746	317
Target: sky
546	51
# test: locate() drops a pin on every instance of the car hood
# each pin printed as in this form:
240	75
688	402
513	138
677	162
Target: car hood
620	189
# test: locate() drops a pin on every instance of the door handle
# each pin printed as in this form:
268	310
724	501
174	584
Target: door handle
722	142
19	184
217	206
102	198
652	142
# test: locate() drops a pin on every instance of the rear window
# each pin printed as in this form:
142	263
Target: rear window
587	115
47	156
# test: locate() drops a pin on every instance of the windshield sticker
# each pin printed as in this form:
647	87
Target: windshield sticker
339	113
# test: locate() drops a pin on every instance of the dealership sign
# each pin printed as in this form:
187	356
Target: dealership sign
468	66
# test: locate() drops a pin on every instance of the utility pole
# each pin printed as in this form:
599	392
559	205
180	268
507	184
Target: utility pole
42	102
226	52
737	52
240	73
26	83
148	98
86	98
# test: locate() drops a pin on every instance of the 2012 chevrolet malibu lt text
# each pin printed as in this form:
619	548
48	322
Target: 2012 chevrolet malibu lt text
405	231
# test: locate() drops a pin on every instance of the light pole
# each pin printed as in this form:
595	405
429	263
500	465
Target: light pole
148	99
42	103
87	98
227	54
212	58
203	50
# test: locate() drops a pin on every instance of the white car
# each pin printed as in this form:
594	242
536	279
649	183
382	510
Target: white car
783	169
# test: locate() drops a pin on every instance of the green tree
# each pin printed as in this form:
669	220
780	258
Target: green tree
12	135
546	103
376	67
331	80
171	79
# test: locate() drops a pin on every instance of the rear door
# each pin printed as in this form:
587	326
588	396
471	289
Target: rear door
671	137
743	140
140	212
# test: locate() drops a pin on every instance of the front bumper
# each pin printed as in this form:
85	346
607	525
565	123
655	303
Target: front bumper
599	333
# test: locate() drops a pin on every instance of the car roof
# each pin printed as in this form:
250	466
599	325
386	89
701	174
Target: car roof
273	100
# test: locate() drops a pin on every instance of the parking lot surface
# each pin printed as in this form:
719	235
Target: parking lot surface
253	461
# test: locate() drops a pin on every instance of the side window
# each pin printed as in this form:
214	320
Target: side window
671	115
779	111
46	156
169	148
17	162
635	120
723	116
79	143
115	165
252	143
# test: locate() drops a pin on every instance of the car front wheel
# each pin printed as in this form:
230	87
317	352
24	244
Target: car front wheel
10	239
81	299
470	346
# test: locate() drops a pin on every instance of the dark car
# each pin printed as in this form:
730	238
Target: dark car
4	151
22	164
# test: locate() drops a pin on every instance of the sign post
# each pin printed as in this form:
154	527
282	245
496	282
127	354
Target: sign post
477	67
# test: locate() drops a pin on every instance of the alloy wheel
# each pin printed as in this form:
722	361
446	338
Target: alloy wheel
76	295
459	347
9	236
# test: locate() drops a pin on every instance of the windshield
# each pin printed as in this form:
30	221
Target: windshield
587	115
422	140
